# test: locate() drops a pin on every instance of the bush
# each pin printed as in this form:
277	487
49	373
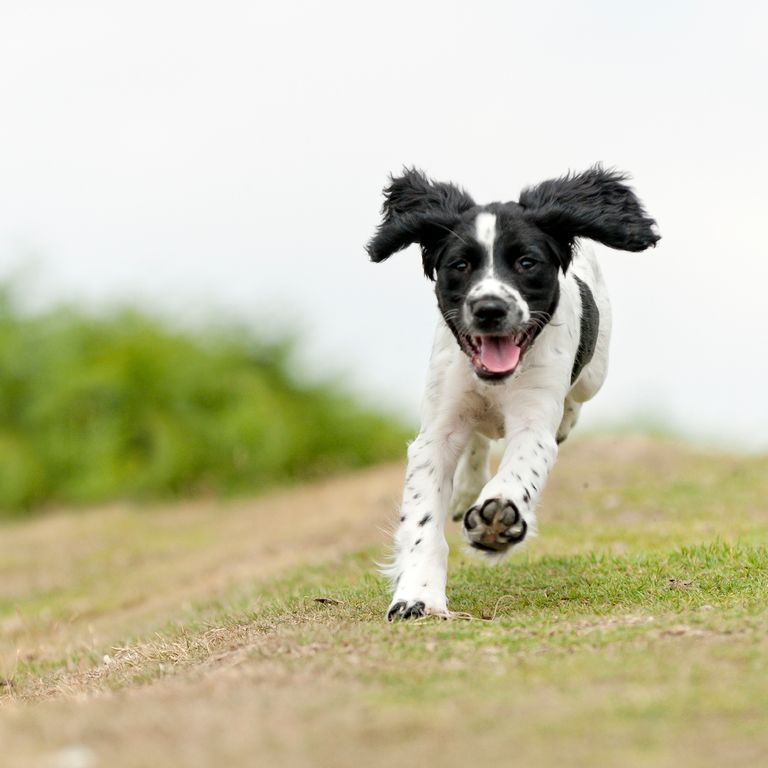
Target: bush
94	408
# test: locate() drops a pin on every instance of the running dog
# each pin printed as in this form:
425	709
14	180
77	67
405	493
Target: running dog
522	343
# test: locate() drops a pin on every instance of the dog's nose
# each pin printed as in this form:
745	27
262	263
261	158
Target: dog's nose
488	309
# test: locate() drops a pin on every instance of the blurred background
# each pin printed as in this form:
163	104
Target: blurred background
186	190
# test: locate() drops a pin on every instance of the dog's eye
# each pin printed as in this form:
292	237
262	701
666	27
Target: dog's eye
526	263
460	265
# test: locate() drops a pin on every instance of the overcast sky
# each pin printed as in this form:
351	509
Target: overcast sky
228	157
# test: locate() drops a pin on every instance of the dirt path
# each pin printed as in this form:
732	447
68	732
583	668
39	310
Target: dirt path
298	693
82	580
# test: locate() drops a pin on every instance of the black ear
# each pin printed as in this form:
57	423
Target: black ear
594	204
417	210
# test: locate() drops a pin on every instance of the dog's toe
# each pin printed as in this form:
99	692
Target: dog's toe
395	610
489	510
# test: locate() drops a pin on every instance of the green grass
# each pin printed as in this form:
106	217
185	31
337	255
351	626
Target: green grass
633	632
516	612
604	656
582	657
120	405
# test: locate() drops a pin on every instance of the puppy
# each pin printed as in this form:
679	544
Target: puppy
521	344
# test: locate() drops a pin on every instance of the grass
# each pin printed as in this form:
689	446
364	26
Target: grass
633	632
121	405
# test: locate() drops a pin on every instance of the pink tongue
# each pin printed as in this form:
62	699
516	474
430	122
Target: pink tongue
498	353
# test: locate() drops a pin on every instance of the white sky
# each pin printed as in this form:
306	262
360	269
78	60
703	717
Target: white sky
229	156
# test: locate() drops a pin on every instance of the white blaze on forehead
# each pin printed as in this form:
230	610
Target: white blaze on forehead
489	285
485	232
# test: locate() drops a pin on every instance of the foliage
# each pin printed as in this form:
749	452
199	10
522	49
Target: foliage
121	405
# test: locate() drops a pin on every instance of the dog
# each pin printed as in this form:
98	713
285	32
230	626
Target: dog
521	344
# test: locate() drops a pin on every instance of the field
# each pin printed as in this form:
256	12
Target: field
632	632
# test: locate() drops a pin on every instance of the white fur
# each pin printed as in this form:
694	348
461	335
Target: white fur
532	410
485	233
489	285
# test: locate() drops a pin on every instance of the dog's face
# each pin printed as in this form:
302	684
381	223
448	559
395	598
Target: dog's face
497	286
497	266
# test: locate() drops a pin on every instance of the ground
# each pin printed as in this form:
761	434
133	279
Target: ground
632	632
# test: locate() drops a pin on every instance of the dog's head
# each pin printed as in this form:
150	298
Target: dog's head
497	266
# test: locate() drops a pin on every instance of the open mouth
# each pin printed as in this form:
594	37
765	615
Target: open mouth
495	357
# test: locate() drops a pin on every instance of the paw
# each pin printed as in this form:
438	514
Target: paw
401	608
494	525
406	609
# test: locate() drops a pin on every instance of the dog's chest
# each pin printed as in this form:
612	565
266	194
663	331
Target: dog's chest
486	415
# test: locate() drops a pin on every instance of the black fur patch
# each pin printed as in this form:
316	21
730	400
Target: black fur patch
596	204
590	325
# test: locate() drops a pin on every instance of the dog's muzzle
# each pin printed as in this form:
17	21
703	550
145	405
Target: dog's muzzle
490	314
496	336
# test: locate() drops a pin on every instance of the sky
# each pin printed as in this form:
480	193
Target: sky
225	160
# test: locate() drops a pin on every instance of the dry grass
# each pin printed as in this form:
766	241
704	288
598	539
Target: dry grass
632	632
77	582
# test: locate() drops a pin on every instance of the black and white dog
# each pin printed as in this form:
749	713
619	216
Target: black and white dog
522	343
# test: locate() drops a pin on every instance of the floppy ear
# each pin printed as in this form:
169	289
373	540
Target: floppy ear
594	204
417	210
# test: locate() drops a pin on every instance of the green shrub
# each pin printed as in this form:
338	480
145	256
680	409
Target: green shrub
120	405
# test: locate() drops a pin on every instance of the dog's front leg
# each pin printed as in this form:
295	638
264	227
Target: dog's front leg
420	563
505	511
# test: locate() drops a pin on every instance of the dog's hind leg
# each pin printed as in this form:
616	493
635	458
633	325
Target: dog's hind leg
472	473
570	417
